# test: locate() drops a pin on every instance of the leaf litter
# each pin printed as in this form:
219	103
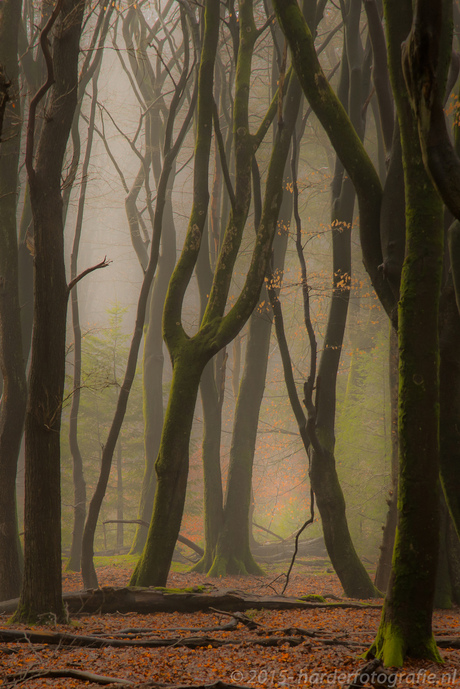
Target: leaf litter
318	647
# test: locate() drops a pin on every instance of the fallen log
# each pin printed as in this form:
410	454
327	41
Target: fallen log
150	600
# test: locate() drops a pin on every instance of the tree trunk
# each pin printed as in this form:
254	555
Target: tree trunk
382	574
172	473
13	401
233	554
74	562
450	393
153	374
405	628
323	474
41	592
172	463
212	476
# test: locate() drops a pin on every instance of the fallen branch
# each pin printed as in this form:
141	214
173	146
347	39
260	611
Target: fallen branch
76	640
182	539
74	674
147	631
272	533
239	617
215	685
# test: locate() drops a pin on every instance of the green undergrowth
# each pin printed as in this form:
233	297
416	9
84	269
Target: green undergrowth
115	560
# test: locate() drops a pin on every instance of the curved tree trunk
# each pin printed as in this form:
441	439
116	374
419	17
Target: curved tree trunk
323	474
216	330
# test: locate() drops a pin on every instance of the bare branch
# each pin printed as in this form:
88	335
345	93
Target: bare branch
102	264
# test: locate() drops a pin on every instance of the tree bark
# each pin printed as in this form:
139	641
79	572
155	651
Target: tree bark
41	592
13	401
405	628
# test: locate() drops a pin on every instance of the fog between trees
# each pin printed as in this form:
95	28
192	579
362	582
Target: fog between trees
145	153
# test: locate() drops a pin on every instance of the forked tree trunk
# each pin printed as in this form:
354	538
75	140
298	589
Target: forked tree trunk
216	330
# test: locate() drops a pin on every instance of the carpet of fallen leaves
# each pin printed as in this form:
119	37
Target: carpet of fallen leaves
328	656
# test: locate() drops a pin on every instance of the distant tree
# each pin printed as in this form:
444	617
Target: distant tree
89	73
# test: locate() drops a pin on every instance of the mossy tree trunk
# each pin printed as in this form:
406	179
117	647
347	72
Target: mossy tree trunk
406	620
41	592
405	628
216	330
13	400
173	458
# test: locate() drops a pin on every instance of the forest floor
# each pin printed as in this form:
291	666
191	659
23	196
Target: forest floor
320	646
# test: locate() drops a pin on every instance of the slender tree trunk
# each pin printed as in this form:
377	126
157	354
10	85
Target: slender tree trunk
233	547
323	474
450	390
119	495
233	554
153	374
170	153
77	460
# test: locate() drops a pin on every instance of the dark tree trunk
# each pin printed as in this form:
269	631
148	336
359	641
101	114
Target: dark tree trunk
13	401
405	628
323	474
41	592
